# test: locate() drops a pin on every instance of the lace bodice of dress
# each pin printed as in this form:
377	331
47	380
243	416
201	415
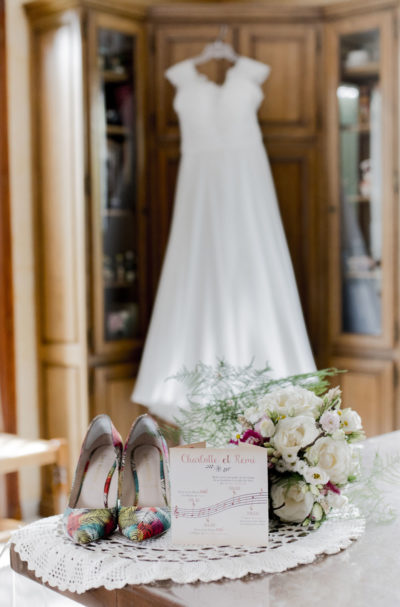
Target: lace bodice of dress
216	116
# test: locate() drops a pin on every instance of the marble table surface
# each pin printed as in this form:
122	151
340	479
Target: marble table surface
367	573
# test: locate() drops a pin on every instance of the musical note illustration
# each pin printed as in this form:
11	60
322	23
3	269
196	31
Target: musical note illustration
246	499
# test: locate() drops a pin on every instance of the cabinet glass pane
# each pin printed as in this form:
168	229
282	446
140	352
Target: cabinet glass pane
116	61
360	116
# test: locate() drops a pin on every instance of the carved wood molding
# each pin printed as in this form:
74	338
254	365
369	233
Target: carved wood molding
243	11
36	10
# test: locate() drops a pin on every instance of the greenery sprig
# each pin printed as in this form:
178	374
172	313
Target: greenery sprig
218	394
367	494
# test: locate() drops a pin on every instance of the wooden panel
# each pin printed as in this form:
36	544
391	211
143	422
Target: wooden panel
173	44
368	388
161	212
60	179
58	139
65	412
113	387
289	107
294	171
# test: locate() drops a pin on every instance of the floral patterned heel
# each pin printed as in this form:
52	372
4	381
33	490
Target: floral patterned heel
144	482
88	516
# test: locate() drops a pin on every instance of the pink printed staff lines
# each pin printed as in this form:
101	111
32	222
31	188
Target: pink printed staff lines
246	499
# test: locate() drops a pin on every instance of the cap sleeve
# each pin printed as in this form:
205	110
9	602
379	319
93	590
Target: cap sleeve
255	70
179	73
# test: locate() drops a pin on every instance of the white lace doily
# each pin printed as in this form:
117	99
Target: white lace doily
115	562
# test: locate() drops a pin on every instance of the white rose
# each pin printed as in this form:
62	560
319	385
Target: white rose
292	400
293	434
265	427
333	456
330	421
350	421
293	503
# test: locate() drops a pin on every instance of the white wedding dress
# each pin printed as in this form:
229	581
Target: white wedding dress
227	287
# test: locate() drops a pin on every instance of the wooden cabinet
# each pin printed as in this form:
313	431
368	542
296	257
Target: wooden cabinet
361	68
333	70
104	203
117	202
362	171
288	41
88	80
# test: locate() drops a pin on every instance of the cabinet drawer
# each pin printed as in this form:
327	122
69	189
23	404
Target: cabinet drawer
368	388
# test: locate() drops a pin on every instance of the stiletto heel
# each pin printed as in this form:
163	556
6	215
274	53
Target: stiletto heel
144	482
88	516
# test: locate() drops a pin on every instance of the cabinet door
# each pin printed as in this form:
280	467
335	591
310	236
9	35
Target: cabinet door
294	168
368	388
361	179
118	234
289	106
174	44
113	386
167	164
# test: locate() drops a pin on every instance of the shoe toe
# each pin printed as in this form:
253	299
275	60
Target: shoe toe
89	525
140	524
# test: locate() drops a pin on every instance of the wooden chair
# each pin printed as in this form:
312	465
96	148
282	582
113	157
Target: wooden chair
17	452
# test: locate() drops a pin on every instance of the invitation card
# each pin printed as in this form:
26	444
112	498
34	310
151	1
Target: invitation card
219	496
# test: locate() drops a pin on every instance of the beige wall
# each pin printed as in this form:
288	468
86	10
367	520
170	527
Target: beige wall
22	239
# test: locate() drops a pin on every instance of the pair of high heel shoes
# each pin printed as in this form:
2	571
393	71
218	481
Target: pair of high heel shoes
120	485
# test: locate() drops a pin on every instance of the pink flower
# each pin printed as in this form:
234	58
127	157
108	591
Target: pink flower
252	438
331	487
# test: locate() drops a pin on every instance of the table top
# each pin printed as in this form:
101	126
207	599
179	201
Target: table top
368	572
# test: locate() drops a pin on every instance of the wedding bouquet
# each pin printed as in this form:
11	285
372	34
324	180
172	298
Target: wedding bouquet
309	442
308	435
